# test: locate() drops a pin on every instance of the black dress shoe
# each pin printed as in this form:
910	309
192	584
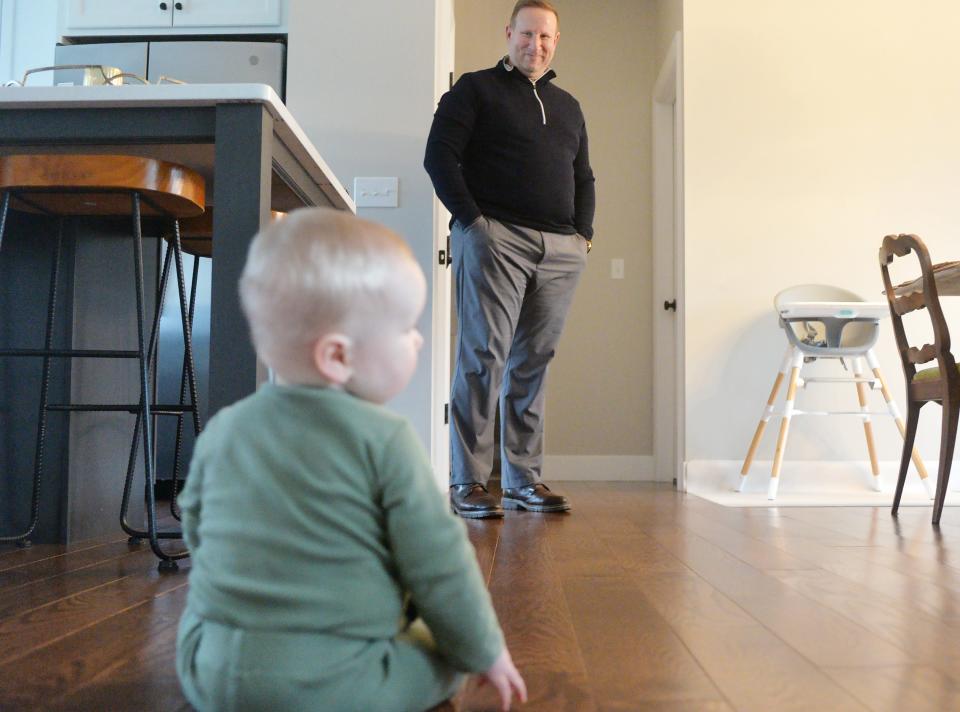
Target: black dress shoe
535	498
473	502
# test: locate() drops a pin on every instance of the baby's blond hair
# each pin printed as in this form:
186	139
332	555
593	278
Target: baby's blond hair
306	275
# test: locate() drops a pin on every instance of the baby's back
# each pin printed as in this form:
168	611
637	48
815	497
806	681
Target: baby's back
290	527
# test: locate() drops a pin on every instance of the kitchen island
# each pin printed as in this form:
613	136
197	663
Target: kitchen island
255	158
240	137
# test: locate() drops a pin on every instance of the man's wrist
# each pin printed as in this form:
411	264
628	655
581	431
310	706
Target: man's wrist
470	219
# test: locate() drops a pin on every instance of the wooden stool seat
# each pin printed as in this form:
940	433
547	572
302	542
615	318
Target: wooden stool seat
69	184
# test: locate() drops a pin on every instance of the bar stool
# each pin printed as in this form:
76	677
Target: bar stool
67	185
196	239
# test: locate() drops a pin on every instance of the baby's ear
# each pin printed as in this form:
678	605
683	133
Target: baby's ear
331	356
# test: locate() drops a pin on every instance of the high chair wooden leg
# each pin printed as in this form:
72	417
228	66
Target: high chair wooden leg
764	418
898	419
867	424
788	408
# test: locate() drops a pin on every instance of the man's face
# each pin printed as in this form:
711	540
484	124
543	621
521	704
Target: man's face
532	40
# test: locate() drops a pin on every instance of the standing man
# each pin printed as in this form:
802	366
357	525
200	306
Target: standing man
507	154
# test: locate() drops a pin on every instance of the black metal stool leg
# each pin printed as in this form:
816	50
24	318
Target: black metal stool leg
187	323
174	508
23	539
136	534
167	561
4	209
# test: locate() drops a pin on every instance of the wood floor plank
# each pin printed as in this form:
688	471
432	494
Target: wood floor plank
532	609
752	667
758	553
14	556
58	565
123	662
871	526
632	655
914	688
484	535
776	524
72	581
916	583
671	706
578	550
817	632
925	638
639	553
147	679
32	629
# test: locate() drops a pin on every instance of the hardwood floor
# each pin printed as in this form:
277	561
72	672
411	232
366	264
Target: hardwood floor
641	599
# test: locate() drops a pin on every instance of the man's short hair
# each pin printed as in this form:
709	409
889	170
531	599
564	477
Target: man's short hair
542	4
306	275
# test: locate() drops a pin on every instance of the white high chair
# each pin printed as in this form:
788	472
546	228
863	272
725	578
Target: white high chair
848	330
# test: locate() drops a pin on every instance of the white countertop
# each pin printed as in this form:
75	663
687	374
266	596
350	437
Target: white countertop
185	95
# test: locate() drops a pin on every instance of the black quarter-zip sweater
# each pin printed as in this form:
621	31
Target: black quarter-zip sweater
504	147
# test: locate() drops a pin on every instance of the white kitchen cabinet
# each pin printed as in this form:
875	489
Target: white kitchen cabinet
208	13
130	14
170	17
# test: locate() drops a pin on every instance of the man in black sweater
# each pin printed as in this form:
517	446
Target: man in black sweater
507	155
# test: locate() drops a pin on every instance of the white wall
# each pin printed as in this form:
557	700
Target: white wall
812	130
28	34
360	80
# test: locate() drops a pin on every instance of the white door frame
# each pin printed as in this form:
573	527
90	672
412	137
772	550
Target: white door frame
669	418
440	318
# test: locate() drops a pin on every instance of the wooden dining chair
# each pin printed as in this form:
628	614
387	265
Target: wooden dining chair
940	384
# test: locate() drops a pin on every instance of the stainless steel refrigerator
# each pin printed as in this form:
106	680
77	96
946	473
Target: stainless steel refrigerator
195	62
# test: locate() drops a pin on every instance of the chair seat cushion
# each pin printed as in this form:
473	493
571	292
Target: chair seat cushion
929	374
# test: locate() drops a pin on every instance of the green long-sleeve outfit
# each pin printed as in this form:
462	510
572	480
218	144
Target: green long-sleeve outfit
309	514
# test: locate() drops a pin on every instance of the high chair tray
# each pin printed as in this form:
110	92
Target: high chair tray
835	310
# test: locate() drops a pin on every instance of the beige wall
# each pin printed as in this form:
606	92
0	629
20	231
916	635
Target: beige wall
599	393
669	22
812	129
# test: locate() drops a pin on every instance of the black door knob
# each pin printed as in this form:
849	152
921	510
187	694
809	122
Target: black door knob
667	306
163	6
178	5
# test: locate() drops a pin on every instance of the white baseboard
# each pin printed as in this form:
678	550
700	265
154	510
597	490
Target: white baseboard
596	468
804	483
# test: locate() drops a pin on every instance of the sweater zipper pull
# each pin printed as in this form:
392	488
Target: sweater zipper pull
543	112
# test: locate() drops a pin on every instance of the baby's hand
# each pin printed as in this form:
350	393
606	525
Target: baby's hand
505	679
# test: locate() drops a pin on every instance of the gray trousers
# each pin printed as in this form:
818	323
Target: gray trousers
514	289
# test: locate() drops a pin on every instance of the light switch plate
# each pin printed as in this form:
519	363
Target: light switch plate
616	268
376	192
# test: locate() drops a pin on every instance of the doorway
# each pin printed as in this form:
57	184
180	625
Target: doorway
669	422
441	290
